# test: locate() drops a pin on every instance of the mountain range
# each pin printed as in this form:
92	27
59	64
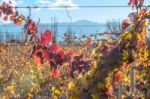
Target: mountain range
78	28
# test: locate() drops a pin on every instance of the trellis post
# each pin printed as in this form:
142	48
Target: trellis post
119	90
132	82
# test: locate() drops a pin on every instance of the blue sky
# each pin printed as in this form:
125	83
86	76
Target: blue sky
100	15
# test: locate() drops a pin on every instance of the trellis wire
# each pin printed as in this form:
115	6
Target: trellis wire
80	6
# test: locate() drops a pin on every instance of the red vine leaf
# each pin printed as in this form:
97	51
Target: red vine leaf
55	73
89	41
12	17
31	28
46	37
54	48
5	18
117	76
125	24
139	43
133	3
62	54
0	14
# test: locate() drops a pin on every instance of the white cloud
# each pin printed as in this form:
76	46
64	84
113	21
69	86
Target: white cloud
43	2
53	5
68	3
20	1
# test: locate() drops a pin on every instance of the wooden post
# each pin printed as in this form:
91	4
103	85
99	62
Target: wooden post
119	90
132	82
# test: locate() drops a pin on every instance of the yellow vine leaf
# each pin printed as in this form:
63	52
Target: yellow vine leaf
125	35
57	92
84	82
125	78
20	21
148	22
10	89
125	55
94	64
95	96
55	97
79	76
99	85
71	85
53	88
145	55
138	36
5	97
29	95
74	97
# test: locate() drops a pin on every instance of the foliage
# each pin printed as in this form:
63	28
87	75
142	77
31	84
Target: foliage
66	74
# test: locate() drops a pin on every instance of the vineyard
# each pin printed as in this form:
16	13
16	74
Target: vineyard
102	69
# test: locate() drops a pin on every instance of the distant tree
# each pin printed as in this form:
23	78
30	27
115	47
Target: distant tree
54	30
113	27
1	36
69	36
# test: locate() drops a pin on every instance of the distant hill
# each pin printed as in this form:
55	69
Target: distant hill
79	27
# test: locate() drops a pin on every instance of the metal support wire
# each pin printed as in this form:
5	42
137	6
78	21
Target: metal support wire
29	9
68	14
81	6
